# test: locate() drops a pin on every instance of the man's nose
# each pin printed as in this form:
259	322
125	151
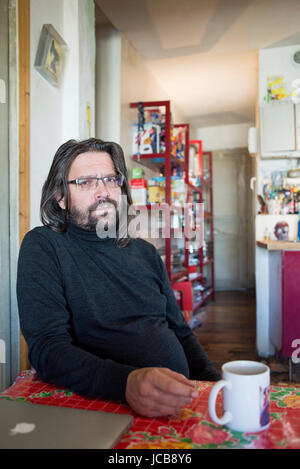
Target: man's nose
101	190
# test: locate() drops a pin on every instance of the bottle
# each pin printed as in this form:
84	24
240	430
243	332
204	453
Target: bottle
292	203
266	234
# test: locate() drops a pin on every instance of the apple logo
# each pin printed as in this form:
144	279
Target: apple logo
22	428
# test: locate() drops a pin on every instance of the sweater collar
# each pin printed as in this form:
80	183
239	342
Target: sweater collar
76	231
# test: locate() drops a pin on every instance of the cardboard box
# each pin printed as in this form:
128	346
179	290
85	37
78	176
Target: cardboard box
146	141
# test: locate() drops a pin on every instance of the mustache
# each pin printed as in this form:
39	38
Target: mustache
103	202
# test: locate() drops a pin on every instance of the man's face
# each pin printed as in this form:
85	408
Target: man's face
99	205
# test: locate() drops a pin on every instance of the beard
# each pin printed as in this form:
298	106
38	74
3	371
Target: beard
105	220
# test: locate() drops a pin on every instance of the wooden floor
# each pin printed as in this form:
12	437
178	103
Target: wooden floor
227	331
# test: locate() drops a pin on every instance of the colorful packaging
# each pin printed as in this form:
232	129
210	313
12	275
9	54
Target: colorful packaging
137	173
146	141
156	195
139	191
156	190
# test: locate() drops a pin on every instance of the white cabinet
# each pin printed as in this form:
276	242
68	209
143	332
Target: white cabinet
278	129
297	126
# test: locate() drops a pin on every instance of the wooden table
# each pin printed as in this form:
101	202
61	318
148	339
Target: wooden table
191	428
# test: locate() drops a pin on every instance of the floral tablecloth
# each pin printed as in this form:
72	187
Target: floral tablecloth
190	428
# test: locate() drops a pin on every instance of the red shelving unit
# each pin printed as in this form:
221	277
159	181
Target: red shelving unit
205	264
207	184
149	161
185	279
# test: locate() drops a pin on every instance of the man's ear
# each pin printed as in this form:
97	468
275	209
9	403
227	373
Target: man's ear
61	202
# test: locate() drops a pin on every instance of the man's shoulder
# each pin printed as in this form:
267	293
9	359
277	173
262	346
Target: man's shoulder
42	232
41	235
146	250
144	245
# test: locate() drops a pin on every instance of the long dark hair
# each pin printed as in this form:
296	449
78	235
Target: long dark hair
56	188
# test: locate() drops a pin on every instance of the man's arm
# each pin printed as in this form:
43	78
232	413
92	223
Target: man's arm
158	391
45	323
201	368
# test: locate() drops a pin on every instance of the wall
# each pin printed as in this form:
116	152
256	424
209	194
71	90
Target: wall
272	62
275	62
138	84
59	114
122	77
234	218
108	88
223	137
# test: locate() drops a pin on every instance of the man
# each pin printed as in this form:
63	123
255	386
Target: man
98	312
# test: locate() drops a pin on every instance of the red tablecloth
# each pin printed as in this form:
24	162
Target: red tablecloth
191	428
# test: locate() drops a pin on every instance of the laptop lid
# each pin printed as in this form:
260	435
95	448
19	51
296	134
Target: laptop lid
25	425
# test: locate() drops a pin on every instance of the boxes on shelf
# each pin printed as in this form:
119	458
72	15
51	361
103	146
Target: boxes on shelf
178	190
139	191
146	141
194	167
198	292
156	195
178	143
156	190
137	173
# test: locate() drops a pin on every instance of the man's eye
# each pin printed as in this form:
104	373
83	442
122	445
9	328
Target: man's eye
84	182
110	179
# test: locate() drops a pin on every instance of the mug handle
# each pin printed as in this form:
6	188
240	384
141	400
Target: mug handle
212	402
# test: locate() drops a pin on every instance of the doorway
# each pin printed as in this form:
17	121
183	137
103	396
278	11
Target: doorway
233	219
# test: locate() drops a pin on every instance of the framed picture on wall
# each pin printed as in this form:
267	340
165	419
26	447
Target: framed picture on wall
50	55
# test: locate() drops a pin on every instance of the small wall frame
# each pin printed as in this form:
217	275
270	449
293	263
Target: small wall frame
50	55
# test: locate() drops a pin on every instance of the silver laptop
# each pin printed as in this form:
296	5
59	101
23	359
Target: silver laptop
37	426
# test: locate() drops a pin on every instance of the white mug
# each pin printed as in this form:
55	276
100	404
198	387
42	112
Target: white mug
246	386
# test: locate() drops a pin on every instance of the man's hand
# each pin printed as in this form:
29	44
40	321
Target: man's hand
154	392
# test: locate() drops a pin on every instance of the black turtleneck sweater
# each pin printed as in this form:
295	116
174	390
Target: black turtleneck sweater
92	312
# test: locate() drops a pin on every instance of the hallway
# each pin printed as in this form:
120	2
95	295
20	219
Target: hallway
227	331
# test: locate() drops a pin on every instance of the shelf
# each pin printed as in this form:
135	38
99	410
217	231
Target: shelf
194	188
195	277
147	160
207	261
206	295
151	156
166	162
205	264
176	276
177	162
150	206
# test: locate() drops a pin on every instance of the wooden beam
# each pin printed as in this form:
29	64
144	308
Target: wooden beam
24	137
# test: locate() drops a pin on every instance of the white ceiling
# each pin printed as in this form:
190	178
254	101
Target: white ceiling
204	52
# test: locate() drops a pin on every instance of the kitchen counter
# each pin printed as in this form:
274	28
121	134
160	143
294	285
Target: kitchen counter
277	297
279	245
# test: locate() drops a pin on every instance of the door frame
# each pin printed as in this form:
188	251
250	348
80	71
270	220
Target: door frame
11	174
13	184
24	138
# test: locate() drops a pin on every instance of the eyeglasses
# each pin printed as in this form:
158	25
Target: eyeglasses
112	181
